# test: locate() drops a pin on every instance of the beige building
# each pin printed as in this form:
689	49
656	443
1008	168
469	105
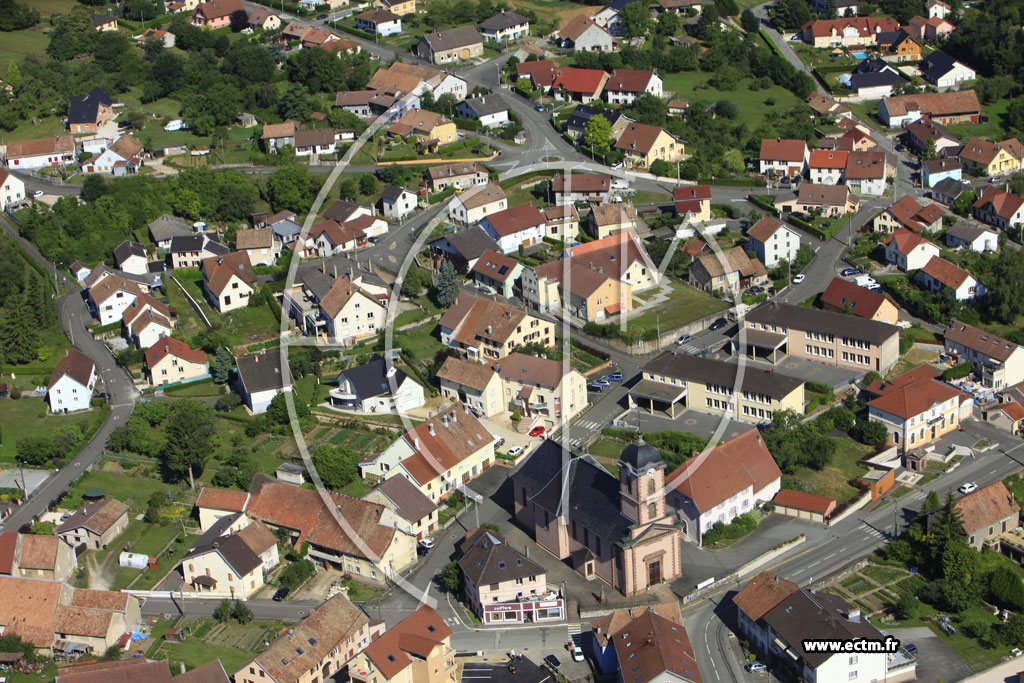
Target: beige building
471	207
642	145
317	648
225	565
40	557
998	363
486	330
727	272
416	512
561	223
988	512
228	280
415	650
261	246
461	175
95	524
450	46
915	407
611	219
426	126
170	361
710	386
475	384
824	336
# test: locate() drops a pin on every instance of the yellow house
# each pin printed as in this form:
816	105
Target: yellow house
399	7
441	454
224	565
415	650
642	145
984	157
611	219
171	360
710	386
425	126
487	330
416	513
474	384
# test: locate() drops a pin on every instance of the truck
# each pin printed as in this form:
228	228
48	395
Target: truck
736	311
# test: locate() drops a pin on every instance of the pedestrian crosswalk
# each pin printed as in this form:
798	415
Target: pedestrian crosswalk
581	432
872	531
689	349
576	633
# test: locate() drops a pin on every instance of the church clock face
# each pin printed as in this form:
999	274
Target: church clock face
650	472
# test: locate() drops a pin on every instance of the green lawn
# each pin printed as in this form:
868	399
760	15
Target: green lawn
17	44
685	305
131	489
833	481
609	448
27	417
993	129
753	106
422	342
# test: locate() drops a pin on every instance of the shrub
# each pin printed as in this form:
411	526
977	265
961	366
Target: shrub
869	433
958	372
228	402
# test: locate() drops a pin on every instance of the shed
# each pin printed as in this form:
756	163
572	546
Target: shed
804	505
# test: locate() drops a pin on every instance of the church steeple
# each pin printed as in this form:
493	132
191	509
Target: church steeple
641	479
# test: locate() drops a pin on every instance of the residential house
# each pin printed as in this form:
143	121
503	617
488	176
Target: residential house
867	172
642	145
625	85
71	383
612	528
261	377
516	227
707	385
277	135
131	257
476	385
986	158
165	228
827	107
489	111
318	647
907	214
12	191
356	101
109	297
376	387
898	46
921	131
540	389
53	616
972	236
415	650
827	166
261	246
95	525
40	153
733	478
909	251
36	556
541	73
171	361
123	157
341	310
400	7
87	113
608	16
939	274
379	21
773	242
220	14
581	187
583	34
948	191
935	171
451	46
397	202
265	19
504	27
784	157
938	9
915	407
146	321
692	202
824	336
579	85
874	79
847	31
561	223
611	219
961	106
417	79
998	363
943	71
189	251
461	175
229	280
987	512
831	200
487	330
462	248
104	22
497	272
847	297
932	29
679	6
416	510
1008	415
426	126
664	654
576	124
778	619
469	208
225	564
314	142
503	586
730	271
999	208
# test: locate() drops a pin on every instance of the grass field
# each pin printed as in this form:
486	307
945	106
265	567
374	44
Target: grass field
753	106
17	44
833	481
685	305
27	417
127	488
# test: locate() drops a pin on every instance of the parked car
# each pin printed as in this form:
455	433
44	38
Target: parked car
539	107
911	649
968	488
515	451
597	386
799	278
426	543
499	442
281	594
577	653
603	382
321	17
537	431
718	324
685	338
847	272
614	377
552	661
65	517
948	628
755	666
37	194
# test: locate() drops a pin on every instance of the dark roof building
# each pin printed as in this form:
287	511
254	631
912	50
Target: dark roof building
488	559
372	378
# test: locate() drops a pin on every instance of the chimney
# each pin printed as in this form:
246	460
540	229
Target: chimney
430	427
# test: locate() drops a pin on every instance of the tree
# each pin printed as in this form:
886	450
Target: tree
337	466
415	281
277	411
749	21
707	24
291	187
1012	632
669	24
636	19
831	9
295	102
597	133
19	332
964	204
94	185
37	449
869	433
906	607
190	426
223	611
222	364
447	285
727	8
790	15
1016	184
959	569
242	612
368	184
451	578
1007	281
946	528
661	168
13	75
15	16
649	109
1005	589
931	503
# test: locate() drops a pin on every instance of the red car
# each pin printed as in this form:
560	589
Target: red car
537	431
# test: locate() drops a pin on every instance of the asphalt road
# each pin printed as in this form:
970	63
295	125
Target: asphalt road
73	318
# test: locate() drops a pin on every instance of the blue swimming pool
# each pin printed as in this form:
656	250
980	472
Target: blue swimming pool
859	55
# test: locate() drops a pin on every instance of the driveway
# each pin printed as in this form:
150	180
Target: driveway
935	659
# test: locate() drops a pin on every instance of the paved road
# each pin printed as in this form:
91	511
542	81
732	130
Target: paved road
73	318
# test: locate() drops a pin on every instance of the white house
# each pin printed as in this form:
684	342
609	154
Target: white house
784	157
109	297
480	201
972	236
12	190
943	71
379	21
123	157
260	378
504	27
40	153
773	242
520	225
131	258
939	274
228	280
376	387
489	111
146	321
625	85
908	250
827	166
72	383
397	202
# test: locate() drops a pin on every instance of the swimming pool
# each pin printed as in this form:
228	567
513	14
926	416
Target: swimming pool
859	55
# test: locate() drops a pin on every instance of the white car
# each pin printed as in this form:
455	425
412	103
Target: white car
577	653
515	451
426	543
968	488
799	278
37	194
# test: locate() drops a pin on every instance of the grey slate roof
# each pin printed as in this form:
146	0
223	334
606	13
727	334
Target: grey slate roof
709	370
875	79
502	21
452	38
85	109
592	492
392	193
234	550
167	226
262	372
583	113
830	322
471	243
482	106
286	229
935	66
487	559
950	187
968	231
128	249
410	503
370	379
184	243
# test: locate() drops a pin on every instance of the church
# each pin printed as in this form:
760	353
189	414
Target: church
616	530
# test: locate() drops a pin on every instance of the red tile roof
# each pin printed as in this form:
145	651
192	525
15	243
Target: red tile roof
762	594
1013	410
169	346
639	137
906	241
726	470
1004	204
765	228
457	434
805	501
543	71
914	398
829	158
986	506
218	270
859	301
221	499
947	273
688	198
629	80
652	645
418	634
8	545
783	150
586	81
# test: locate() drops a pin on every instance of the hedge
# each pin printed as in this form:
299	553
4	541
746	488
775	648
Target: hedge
958	371
817	387
771	44
734	182
109	327
442	195
762	203
355	32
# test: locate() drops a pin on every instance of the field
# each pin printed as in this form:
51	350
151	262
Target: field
18	44
27	417
685	305
234	644
833	481
753	106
